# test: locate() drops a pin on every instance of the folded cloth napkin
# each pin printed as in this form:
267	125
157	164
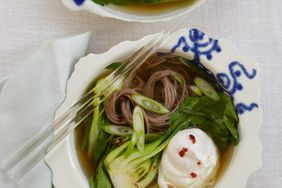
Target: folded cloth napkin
30	97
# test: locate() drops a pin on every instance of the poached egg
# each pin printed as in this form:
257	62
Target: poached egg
190	160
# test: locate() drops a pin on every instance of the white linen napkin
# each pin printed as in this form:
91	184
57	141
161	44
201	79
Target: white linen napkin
30	97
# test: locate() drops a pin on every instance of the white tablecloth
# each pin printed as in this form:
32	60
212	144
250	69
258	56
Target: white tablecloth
254	26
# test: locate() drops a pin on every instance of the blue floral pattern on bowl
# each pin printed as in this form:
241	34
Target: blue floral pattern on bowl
201	46
231	83
78	2
198	43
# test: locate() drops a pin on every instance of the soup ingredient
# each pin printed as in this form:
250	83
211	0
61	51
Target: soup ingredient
103	139
138	136
206	88
118	130
217	118
139	168
94	130
196	90
150	137
190	160
139	127
101	179
162	79
105	85
131	145
149	104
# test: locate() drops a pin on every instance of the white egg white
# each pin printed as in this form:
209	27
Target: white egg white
190	160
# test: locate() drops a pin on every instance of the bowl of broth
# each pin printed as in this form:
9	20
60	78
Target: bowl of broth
188	117
135	11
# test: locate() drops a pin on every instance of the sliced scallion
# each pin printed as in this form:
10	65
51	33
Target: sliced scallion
150	137
108	84
206	88
178	78
149	104
118	130
196	90
139	127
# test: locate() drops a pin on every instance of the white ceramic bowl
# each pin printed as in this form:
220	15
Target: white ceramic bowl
117	12
237	73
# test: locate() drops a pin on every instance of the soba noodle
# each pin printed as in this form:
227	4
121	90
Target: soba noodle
162	78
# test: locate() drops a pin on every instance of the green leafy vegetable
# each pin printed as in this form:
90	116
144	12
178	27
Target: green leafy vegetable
113	66
103	140
92	181
196	70
100	179
217	118
94	130
85	140
150	137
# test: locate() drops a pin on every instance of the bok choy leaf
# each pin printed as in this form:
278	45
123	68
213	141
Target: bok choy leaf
216	118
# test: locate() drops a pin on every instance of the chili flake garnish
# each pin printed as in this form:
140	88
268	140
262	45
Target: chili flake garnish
192	138
193	174
182	152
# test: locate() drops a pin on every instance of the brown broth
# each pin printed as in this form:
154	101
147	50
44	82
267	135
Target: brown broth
158	8
84	159
224	162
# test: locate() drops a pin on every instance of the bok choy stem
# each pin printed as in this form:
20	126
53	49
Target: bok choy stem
131	171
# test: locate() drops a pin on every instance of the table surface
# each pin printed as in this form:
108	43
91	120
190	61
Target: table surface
254	26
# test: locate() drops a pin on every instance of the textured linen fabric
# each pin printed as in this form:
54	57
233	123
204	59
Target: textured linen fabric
29	99
254	26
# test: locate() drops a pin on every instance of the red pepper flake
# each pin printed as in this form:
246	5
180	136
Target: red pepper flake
199	163
182	152
192	138
193	174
